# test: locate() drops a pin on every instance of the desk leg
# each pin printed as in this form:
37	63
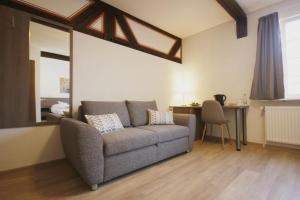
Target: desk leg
237	129
244	112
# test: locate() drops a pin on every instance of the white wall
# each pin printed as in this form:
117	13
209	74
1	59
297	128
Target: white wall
110	72
51	70
218	62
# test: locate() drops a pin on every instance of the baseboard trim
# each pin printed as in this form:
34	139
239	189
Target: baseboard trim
28	167
215	138
277	144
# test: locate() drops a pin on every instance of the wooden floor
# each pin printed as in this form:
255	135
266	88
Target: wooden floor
205	173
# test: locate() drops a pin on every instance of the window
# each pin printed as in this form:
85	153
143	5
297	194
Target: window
291	57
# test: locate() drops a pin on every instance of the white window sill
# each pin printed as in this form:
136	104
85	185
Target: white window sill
279	100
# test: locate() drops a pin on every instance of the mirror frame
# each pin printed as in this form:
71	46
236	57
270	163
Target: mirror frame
69	29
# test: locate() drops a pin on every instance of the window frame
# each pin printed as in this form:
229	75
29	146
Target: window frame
283	24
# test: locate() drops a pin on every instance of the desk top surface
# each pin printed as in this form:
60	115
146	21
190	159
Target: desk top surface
225	107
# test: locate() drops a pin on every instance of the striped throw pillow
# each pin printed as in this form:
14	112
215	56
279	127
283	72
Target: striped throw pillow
160	117
105	123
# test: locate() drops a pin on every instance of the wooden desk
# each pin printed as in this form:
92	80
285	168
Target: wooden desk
240	119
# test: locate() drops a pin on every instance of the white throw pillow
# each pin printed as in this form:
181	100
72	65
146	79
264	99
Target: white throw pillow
160	117
105	123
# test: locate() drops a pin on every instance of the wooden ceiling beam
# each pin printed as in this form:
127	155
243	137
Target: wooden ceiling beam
175	48
126	29
238	14
82	22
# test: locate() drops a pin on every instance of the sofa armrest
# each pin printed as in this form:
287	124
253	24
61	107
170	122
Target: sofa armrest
83	146
188	120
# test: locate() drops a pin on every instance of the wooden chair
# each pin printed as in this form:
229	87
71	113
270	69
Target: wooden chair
212	113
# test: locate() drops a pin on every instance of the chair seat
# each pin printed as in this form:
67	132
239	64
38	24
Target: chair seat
128	139
218	122
167	132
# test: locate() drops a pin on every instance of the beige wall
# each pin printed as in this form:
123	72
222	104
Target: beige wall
102	71
27	146
217	62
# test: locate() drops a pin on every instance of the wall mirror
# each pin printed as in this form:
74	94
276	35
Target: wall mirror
35	69
49	54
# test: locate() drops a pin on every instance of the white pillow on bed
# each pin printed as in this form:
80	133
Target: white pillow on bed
105	123
63	104
60	108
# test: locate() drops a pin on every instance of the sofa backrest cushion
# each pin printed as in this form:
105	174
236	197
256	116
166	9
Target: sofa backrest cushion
138	111
107	107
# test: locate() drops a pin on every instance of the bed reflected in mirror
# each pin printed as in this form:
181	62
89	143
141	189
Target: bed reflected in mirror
50	55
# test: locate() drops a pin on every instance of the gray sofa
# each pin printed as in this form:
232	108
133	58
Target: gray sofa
100	158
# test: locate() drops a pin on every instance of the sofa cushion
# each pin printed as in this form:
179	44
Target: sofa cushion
160	117
105	123
138	111
167	132
128	139
107	107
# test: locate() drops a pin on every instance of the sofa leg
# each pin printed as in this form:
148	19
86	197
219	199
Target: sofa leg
188	151
94	187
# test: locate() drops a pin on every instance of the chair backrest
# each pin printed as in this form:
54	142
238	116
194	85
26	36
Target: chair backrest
212	112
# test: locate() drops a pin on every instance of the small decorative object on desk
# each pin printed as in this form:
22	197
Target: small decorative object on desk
221	98
244	99
232	104
195	104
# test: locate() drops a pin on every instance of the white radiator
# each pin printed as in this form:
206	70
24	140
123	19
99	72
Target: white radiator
282	124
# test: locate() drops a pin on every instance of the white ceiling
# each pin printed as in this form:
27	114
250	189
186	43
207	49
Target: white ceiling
179	17
253	5
184	17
